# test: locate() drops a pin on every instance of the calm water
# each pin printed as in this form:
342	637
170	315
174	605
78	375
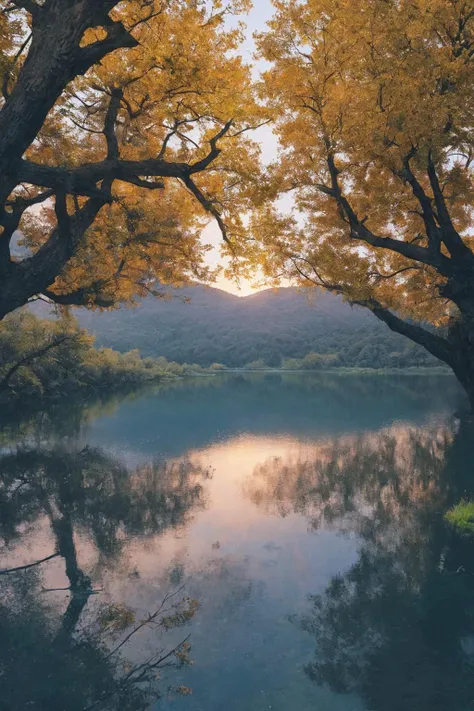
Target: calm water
290	529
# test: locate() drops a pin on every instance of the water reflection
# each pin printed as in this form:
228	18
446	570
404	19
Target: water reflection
73	650
397	628
47	662
333	486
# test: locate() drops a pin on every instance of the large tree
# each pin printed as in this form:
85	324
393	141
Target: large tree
123	127
373	103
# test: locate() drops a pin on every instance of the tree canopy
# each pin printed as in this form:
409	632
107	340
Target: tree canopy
123	129
372	101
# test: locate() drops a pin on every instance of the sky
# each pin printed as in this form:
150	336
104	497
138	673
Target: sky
261	12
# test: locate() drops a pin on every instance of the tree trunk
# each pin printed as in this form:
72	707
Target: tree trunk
461	338
66	548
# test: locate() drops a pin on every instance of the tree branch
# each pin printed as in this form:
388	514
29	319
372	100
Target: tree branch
209	206
109	124
436	345
35	274
360	231
24	202
117	38
33	355
80	297
378	275
7	571
214	152
451	237
148	184
432	230
10	221
28	5
83	180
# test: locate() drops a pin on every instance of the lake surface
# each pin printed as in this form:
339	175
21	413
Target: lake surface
288	529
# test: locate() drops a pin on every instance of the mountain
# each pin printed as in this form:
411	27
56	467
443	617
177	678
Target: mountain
205	325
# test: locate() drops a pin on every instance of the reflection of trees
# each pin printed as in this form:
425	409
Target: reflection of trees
92	491
398	627
86	492
363	482
47	663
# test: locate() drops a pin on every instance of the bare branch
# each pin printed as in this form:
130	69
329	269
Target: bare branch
146	621
7	571
209	206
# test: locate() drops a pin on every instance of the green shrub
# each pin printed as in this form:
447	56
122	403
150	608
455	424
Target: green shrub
461	517
43	358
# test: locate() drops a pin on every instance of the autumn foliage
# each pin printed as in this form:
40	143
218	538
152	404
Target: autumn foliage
123	130
126	126
373	105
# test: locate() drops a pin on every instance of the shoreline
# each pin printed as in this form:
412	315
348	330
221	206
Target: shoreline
435	370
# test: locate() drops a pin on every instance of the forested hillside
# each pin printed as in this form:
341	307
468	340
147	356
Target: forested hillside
200	325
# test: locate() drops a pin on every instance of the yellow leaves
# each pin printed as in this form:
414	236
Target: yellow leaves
183	613
142	236
116	617
181	84
368	81
183	690
91	35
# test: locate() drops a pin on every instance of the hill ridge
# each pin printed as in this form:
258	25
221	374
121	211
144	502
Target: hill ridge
206	325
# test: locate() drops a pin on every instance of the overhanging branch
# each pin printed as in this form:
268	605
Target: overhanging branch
439	347
436	345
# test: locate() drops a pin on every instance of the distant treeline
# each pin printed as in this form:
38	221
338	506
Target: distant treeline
374	355
205	326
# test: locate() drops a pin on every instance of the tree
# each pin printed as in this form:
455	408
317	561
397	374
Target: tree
123	127
373	108
32	344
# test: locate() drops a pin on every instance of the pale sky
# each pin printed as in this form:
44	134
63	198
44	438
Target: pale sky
255	21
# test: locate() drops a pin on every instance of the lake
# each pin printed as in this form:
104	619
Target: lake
241	542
